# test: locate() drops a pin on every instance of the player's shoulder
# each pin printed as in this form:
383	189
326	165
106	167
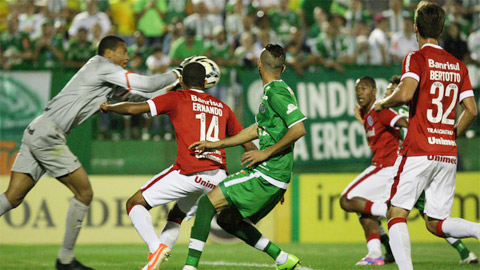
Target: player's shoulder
278	88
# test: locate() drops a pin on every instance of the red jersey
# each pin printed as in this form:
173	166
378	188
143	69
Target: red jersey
443	82
196	116
382	136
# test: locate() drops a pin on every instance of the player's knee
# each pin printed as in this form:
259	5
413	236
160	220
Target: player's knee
226	224
14	199
431	225
345	203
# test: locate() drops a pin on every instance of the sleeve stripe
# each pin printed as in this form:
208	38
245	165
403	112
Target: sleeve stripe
411	75
128	82
296	122
465	94
153	108
394	120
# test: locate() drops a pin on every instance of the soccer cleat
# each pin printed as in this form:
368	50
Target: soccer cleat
371	261
471	259
74	265
291	263
158	257
388	258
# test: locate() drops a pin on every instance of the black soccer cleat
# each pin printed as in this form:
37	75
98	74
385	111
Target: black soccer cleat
74	265
388	258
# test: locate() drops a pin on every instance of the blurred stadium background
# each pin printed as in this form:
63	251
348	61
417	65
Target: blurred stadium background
330	43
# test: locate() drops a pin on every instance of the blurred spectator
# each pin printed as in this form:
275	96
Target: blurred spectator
80	50
472	10
31	19
200	21
97	34
186	46
14	45
282	20
474	46
454	44
157	62
361	32
308	7
57	11
454	14
265	5
219	50
234	20
403	42
150	19
332	47
49	50
175	31
378	42
60	30
395	15
176	9
356	13
245	53
123	17
88	18
215	10
140	47
320	17
297	53
263	39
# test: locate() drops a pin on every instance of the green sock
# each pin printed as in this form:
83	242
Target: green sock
461	248
385	242
272	250
200	229
248	233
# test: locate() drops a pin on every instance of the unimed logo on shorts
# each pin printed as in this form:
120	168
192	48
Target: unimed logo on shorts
18	106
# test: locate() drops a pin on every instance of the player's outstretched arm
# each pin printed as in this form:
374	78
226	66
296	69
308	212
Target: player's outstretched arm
242	137
126	107
401	95
467	117
294	133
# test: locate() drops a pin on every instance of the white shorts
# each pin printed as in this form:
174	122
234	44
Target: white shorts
170	185
372	184
434	174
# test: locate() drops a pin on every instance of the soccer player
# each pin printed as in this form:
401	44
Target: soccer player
44	147
367	194
195	115
433	81
252	193
466	256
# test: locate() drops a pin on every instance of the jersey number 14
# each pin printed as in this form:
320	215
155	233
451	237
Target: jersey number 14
210	134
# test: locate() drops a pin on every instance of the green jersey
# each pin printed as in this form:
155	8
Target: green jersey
277	113
180	50
80	51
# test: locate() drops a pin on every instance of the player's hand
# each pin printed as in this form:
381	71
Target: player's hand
204	146
253	157
104	106
378	106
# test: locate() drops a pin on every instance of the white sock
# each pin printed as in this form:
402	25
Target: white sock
460	228
142	221
282	258
374	248
262	243
379	209
5	205
451	240
170	234
400	244
76	213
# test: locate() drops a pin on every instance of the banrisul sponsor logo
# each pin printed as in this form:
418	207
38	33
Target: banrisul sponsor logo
18	105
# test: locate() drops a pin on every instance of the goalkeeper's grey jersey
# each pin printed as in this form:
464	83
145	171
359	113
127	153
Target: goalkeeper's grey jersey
92	85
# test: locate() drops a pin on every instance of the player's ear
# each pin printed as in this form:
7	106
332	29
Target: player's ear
283	68
205	84
180	81
374	90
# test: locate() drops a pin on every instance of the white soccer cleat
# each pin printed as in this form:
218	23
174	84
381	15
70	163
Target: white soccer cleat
158	257
472	259
189	267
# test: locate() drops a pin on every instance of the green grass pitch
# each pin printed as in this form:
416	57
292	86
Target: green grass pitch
229	257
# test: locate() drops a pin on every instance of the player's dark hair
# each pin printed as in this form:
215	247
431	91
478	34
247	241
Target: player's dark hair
194	75
395	79
429	18
108	42
370	80
273	58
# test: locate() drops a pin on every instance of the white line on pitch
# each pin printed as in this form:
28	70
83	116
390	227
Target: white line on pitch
222	263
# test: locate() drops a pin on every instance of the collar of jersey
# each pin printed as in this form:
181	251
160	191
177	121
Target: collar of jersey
272	82
432	45
373	105
197	90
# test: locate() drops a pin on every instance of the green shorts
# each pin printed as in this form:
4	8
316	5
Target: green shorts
253	193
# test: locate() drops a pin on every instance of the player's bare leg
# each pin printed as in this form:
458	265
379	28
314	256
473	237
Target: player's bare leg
19	186
79	184
361	205
399	237
137	210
